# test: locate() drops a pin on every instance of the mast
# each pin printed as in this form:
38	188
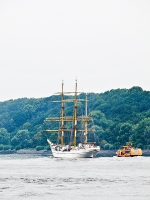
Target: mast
75	116
63	119
86	121
62	115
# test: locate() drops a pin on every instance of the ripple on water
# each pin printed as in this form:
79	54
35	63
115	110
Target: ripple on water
41	178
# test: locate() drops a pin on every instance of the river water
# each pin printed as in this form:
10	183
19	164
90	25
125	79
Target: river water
38	177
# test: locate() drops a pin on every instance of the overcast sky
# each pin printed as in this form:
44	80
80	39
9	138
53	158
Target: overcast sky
104	44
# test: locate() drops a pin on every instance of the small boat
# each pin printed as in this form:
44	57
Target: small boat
72	125
129	151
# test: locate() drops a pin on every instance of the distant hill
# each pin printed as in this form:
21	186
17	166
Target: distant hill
119	116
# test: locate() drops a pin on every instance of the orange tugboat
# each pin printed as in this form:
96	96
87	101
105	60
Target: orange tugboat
129	151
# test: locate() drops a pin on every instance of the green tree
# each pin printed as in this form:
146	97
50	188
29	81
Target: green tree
22	139
39	139
99	118
122	132
4	136
141	132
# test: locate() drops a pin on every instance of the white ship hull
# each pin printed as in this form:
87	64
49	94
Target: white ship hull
87	152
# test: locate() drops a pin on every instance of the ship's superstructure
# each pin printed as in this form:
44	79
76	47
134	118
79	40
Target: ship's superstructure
129	151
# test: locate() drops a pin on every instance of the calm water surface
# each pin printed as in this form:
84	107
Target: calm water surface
46	178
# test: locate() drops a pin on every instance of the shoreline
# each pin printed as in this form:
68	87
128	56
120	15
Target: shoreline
25	151
102	153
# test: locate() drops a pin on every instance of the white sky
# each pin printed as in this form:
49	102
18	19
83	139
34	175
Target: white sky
104	44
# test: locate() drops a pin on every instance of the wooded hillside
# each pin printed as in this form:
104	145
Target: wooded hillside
119	116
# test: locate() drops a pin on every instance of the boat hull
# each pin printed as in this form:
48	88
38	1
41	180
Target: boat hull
74	153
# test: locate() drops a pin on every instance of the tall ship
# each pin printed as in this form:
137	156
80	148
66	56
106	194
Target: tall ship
73	126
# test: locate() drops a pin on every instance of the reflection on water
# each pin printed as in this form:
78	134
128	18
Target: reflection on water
44	177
